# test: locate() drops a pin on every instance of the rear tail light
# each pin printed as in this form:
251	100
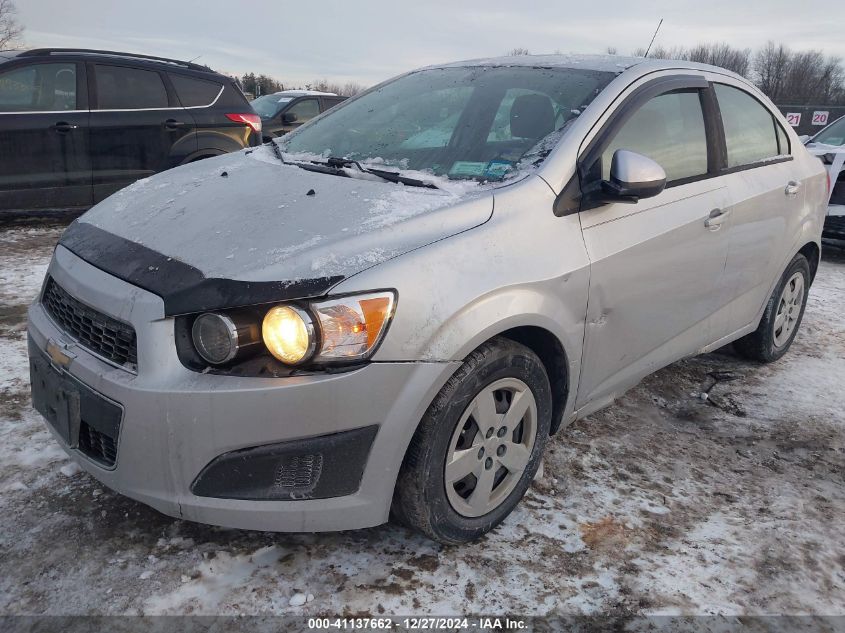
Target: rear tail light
252	120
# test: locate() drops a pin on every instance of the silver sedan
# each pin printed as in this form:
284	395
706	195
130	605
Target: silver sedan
388	311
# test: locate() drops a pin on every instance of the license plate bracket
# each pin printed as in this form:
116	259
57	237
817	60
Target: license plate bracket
56	398
84	419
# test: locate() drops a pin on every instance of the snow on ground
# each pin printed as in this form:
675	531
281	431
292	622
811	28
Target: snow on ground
667	502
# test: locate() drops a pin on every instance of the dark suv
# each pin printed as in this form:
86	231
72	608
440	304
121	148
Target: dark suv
283	112
77	125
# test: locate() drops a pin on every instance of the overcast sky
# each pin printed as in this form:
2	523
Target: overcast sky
371	40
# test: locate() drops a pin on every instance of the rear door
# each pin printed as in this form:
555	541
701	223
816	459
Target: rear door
203	98
44	160
136	126
656	266
767	199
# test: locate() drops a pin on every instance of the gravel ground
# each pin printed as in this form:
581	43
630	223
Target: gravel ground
668	502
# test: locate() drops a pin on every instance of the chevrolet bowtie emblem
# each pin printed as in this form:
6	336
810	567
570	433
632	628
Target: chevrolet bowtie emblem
59	355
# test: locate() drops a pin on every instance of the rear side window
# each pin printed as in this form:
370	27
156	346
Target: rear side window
38	88
669	129
750	129
194	92
121	88
330	102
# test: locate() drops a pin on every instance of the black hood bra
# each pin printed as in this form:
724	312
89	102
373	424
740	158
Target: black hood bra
184	289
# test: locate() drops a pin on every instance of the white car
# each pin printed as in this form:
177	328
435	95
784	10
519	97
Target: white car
829	146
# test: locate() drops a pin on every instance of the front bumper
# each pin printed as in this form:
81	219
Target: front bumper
176	422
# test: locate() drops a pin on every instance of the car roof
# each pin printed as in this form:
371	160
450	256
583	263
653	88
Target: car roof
600	63
299	93
97	54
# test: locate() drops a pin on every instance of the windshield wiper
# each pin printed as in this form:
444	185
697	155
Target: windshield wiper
276	150
391	176
335	166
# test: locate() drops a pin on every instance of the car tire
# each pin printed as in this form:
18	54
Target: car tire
499	453
782	316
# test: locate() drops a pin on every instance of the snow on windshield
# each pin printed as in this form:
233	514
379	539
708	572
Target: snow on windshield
463	123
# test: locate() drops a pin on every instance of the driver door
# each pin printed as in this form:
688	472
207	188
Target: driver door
298	113
657	265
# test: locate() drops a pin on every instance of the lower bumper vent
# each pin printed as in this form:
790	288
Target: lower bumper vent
97	445
298	475
311	468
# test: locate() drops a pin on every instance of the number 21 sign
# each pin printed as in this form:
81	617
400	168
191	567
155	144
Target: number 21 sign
793	118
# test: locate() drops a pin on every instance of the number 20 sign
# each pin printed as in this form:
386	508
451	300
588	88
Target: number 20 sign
793	118
820	117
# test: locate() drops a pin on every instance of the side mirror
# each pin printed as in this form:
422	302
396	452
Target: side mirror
289	117
632	177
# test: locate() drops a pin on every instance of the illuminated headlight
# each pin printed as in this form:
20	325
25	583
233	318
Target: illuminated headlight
345	329
220	338
289	335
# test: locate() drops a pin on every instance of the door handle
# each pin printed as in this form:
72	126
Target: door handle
63	127
173	124
792	188
715	219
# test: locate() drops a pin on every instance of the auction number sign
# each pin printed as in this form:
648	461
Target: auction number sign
793	118
820	117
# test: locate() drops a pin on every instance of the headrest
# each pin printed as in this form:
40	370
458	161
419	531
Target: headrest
532	116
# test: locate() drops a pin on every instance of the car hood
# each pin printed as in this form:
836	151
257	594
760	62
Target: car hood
246	216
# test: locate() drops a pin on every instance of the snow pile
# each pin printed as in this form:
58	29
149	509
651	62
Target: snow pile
662	503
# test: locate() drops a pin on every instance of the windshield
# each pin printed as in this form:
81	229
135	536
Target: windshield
834	134
462	123
269	106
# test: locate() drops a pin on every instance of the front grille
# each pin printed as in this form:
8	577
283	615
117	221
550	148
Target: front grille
99	446
103	335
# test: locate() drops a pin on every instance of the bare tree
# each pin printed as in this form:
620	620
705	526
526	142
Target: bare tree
661	52
770	67
799	77
719	54
348	89
785	76
10	28
722	55
518	51
611	50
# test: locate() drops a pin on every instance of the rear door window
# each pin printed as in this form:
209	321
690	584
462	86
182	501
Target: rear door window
39	88
750	129
669	129
123	88
329	102
193	92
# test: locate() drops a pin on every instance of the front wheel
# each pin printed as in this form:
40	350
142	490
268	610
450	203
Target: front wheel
782	316
478	447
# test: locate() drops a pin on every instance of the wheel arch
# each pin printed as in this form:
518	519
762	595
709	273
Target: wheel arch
552	354
812	252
